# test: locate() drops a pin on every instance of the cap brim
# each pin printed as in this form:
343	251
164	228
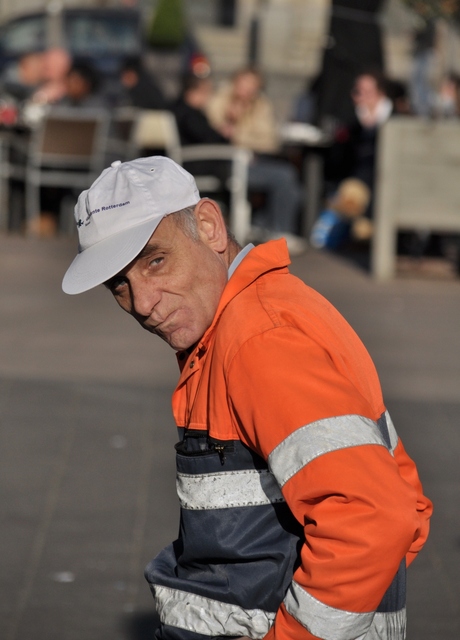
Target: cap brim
102	261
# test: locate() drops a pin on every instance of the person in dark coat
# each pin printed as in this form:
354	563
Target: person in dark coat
354	44
139	88
189	110
354	152
194	127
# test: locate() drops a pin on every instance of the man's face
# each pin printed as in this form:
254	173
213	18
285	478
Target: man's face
174	285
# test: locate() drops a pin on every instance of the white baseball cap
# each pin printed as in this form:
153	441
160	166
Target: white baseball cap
116	216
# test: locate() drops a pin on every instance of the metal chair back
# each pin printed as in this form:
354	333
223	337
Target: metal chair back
157	130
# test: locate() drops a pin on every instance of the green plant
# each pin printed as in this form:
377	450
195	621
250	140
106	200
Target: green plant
168	26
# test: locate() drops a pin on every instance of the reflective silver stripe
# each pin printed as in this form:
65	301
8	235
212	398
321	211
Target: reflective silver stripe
388	626
209	617
323	621
227	489
336	624
391	431
315	439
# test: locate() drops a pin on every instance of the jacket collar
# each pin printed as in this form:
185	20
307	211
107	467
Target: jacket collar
265	257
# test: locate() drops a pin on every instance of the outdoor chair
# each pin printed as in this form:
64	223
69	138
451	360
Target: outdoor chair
66	149
234	162
122	143
156	132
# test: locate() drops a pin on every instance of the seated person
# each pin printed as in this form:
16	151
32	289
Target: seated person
138	87
354	153
189	110
241	112
194	128
82	88
344	216
21	78
56	65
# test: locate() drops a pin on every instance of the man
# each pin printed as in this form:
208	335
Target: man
299	506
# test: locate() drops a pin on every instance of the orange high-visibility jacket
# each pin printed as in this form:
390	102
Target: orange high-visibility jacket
299	505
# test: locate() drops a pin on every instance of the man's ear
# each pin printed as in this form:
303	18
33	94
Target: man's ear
211	225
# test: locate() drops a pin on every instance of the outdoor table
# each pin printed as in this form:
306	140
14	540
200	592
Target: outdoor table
312	143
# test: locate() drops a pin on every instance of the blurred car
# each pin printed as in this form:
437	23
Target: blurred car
104	37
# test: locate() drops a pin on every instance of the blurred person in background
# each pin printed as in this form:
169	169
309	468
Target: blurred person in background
82	84
21	78
56	65
81	91
244	115
194	127
190	112
138	87
446	100
372	105
353	44
423	56
354	152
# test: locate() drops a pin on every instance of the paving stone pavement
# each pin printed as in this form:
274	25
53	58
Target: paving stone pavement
86	476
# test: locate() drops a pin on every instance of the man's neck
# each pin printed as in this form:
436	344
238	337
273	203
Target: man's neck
233	250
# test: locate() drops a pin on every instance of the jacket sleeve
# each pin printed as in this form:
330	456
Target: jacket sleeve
360	503
408	471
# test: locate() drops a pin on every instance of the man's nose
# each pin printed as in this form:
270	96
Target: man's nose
144	296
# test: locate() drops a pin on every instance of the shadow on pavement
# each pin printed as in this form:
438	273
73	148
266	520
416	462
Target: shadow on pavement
140	626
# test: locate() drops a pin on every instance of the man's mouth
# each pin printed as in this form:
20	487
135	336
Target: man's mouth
163	323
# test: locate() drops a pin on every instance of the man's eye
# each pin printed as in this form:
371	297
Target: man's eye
115	284
156	261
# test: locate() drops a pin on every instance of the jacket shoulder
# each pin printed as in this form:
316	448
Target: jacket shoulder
274	299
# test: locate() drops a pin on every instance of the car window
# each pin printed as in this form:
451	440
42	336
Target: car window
24	35
101	34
